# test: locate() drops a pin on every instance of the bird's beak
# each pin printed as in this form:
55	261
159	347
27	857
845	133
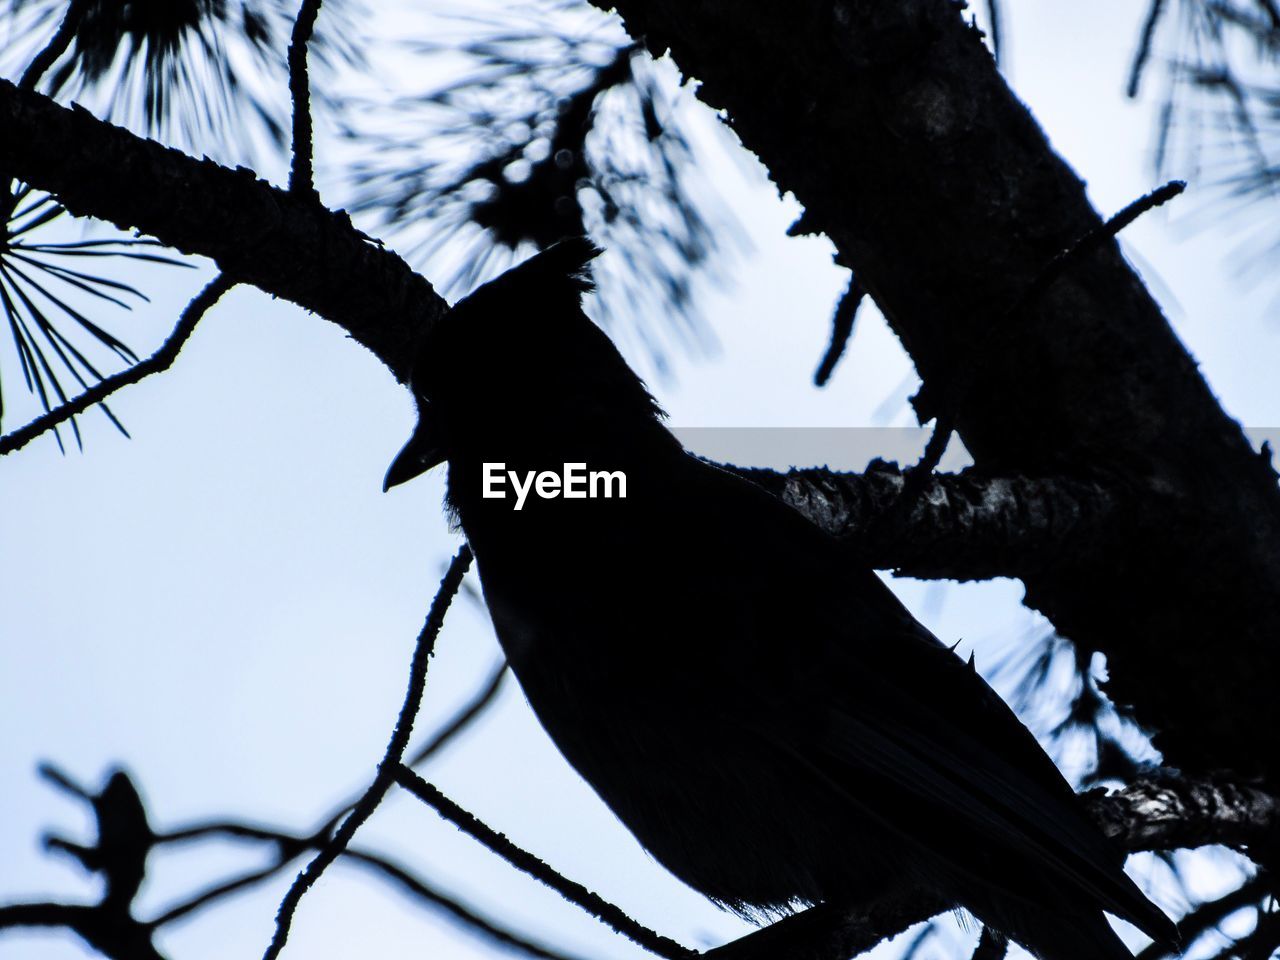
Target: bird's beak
420	454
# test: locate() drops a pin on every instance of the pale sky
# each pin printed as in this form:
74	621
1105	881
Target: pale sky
226	604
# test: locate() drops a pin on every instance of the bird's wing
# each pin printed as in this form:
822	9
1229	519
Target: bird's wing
902	710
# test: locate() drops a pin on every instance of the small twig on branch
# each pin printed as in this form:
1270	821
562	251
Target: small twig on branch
1263	943
918	475
59	779
841	329
460	721
997	34
391	760
291	846
459	911
1086	245
56	46
301	177
1207	916
1143	53
158	362
916	478
522	860
463	718
218	891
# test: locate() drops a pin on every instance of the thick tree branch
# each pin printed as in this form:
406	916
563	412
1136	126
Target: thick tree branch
1170	813
1162	813
287	245
963	526
892	125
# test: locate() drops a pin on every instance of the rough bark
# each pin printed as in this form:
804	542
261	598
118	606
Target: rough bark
964	526
891	124
1172	813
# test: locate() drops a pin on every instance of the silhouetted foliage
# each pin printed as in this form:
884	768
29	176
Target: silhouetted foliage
555	125
1218	65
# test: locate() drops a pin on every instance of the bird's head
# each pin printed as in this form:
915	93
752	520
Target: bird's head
517	364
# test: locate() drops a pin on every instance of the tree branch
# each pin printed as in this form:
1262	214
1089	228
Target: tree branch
390	764
962	526
56	46
892	126
842	319
574	892
301	175
158	362
1170	813
463	718
289	246
1208	916
114	934
1163	813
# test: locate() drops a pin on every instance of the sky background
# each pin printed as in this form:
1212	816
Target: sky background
227	603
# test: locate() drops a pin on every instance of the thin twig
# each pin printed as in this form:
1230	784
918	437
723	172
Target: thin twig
158	362
301	178
63	782
291	846
460	721
997	35
391	760
1143	53
917	476
521	859
459	911
841	329
463	718
445	735
1086	245
56	46
220	890
1207	916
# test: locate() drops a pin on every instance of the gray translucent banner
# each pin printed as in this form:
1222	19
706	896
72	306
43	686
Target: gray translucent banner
842	448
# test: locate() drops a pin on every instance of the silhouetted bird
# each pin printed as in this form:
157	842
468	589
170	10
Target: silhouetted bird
768	720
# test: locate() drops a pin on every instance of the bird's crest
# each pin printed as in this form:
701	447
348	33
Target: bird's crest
551	277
